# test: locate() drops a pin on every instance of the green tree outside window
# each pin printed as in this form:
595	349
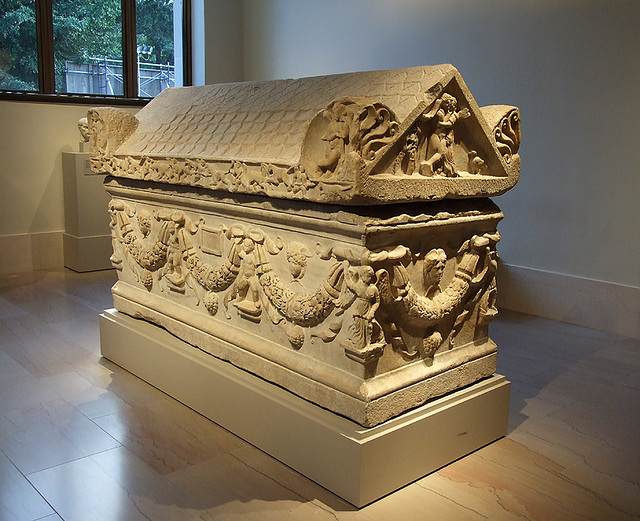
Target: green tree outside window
83	30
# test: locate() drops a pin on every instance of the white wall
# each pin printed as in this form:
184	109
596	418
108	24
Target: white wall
217	41
32	138
573	68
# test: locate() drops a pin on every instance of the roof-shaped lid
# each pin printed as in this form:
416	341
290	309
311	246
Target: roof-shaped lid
379	136
264	121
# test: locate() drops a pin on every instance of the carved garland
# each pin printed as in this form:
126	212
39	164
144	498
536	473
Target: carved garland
384	307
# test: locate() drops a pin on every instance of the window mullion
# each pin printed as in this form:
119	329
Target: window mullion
46	64
129	49
187	42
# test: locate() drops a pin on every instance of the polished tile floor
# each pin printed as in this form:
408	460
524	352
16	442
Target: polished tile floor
82	439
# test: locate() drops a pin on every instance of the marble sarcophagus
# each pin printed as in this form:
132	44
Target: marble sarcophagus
332	235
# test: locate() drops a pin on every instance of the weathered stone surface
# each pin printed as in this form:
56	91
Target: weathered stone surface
365	309
412	134
83	128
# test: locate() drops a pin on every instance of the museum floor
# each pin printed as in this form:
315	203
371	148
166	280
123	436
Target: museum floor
82	439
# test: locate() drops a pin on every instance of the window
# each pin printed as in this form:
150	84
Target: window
19	46
82	49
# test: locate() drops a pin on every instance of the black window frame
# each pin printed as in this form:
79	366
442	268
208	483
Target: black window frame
46	68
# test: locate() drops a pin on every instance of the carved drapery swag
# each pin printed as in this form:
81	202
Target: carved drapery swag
370	293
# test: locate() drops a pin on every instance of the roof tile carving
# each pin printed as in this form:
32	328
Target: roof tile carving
358	138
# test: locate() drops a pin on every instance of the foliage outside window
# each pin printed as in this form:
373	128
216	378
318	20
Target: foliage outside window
88	46
18	45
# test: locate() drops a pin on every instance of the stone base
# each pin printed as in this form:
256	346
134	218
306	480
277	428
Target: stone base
358	464
87	253
87	238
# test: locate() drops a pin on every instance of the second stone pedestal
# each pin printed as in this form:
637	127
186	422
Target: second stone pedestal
87	237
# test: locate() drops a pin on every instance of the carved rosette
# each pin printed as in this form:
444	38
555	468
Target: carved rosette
365	303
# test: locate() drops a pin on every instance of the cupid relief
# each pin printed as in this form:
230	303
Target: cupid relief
366	340
436	151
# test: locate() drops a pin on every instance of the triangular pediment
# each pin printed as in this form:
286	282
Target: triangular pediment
443	139
444	147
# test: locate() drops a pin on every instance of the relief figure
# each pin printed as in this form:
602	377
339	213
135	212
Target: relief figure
366	339
246	290
437	150
434	264
336	136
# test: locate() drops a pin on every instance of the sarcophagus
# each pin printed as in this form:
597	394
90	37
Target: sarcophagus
332	235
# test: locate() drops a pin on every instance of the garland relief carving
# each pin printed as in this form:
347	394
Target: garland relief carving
368	297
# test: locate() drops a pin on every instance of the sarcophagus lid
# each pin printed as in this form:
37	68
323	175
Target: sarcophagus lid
403	135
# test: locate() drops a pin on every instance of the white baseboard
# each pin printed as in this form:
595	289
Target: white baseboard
591	303
31	252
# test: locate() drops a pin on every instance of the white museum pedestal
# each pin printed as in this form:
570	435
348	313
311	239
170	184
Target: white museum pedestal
358	464
87	237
